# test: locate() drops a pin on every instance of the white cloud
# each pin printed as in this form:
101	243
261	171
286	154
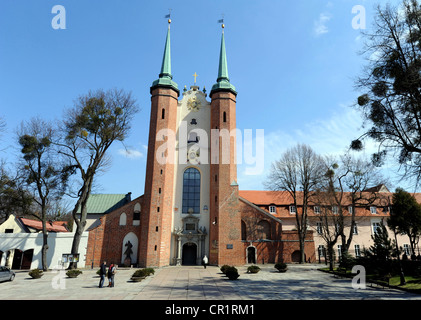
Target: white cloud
320	25
130	153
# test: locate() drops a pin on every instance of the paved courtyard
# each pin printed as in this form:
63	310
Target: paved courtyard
196	283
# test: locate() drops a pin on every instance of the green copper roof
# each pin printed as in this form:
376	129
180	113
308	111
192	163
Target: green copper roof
223	81
165	77
105	203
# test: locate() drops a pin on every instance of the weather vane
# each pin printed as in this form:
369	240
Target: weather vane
168	16
222	21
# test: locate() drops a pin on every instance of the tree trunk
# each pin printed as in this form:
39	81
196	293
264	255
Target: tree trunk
44	245
330	254
302	249
401	274
80	223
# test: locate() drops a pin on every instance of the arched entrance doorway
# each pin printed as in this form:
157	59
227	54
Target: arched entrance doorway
251	255
189	254
295	256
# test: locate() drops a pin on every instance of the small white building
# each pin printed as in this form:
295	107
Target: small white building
21	244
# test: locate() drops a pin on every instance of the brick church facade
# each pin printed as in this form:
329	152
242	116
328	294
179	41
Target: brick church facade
191	206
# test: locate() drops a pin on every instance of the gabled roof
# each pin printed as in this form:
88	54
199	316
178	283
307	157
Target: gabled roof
105	203
267	197
52	226
264	212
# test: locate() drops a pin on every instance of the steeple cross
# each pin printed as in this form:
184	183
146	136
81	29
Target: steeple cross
195	76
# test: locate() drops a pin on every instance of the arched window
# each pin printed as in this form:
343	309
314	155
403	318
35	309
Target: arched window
123	219
243	231
191	191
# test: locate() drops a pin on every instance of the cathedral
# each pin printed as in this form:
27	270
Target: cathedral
191	206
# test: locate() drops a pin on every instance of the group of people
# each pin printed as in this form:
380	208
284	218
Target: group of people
109	272
112	269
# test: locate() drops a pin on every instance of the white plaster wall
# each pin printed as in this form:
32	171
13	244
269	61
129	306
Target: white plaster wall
59	243
202	117
11	223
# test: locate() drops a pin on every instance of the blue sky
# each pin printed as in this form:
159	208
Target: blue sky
293	64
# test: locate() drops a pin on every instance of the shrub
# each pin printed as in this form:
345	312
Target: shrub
232	273
73	273
149	271
36	273
281	267
253	269
224	268
347	261
141	273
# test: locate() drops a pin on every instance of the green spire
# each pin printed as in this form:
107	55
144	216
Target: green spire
166	60
223	81
223	67
165	77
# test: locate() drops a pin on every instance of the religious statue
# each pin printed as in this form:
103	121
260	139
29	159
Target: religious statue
129	250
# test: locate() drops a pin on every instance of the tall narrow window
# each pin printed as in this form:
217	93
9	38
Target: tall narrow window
191	191
163	113
225	116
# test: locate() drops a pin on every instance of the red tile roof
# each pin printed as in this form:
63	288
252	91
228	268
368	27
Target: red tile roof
282	200
54	226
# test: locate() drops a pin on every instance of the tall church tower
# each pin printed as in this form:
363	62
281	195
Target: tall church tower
225	230
190	204
156	217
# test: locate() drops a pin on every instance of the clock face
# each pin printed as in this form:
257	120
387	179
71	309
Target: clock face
193	104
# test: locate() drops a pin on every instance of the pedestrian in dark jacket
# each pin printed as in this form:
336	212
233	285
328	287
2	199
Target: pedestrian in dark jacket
102	273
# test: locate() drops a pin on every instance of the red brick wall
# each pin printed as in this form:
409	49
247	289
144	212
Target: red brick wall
105	241
279	245
157	218
225	217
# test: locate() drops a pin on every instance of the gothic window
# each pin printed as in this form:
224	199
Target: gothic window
123	219
243	231
136	214
191	191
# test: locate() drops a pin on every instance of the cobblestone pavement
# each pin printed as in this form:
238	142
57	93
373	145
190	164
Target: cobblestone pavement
196	283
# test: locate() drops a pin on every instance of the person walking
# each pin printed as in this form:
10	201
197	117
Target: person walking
205	261
111	274
102	273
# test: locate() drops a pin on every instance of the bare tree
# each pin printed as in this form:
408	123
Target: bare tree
298	172
90	128
391	82
41	171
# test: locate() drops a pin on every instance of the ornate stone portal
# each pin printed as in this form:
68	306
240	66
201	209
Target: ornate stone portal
190	233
